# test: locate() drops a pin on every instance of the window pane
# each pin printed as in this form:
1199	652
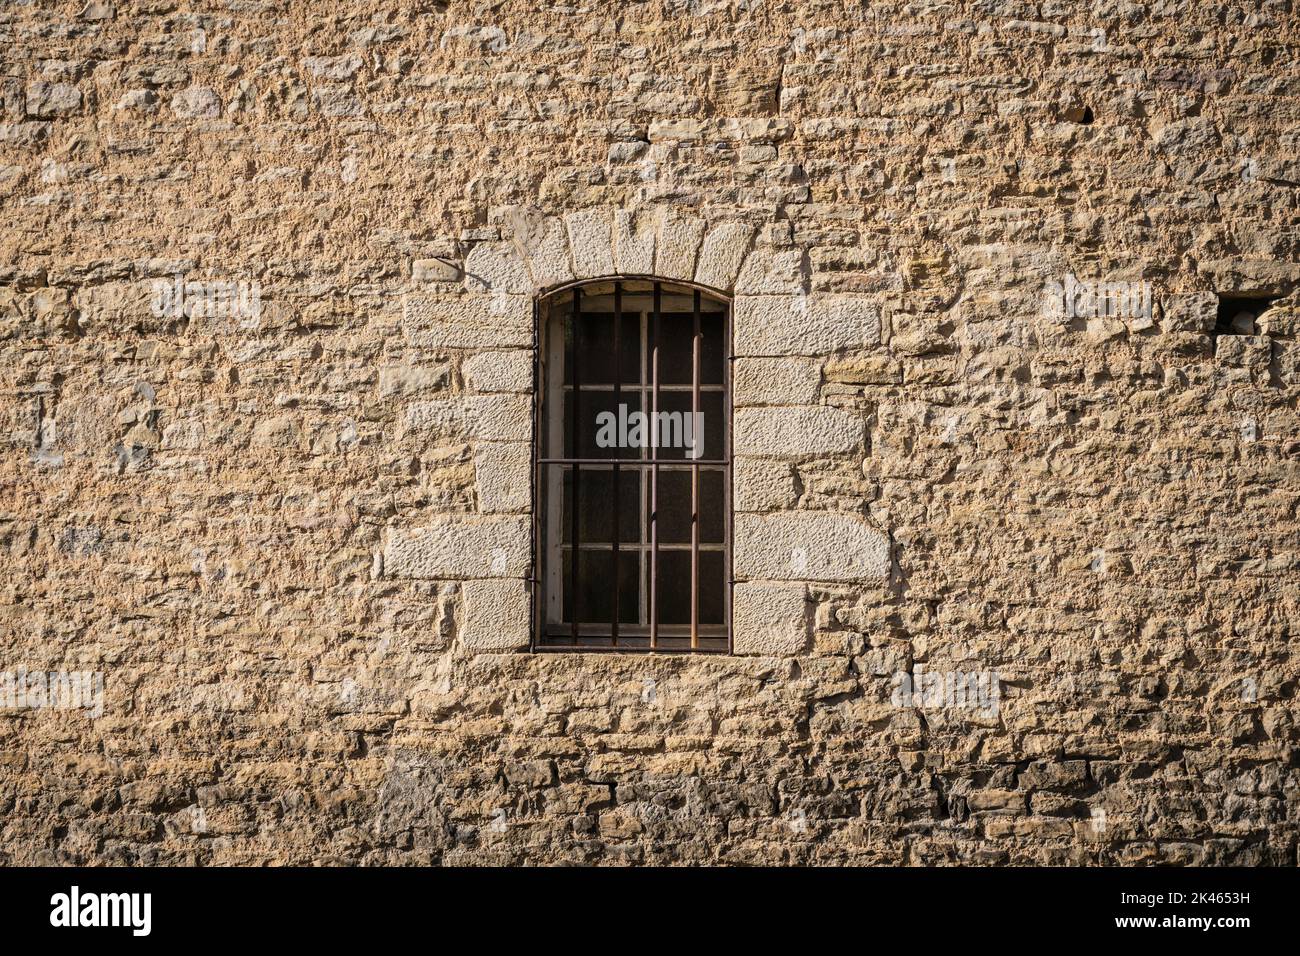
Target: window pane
675	506
676	425
595	587
675	587
594	427
596	355
596	505
676	332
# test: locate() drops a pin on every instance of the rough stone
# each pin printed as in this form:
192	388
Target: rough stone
770	619
460	546
810	546
797	432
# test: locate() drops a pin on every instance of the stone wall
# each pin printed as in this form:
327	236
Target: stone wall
1017	575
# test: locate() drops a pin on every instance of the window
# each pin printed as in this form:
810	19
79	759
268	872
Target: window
633	469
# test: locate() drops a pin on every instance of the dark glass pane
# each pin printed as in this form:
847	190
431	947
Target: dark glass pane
675	587
596	349
676	426
596	505
676	334
601	421
675	506
595	587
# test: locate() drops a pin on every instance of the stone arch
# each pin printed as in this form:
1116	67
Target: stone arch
542	254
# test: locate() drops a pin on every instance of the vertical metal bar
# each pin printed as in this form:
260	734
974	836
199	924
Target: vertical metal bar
618	385
726	422
696	450
654	475
575	375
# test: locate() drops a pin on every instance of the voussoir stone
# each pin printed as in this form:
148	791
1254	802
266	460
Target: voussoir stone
495	615
634	243
460	546
591	243
677	246
781	432
769	619
810	546
723	250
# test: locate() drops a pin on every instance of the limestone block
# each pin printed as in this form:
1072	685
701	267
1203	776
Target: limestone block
591	243
781	432
47	100
798	325
775	381
771	272
499	371
545	250
721	254
496	267
810	546
676	248
634	243
468	321
460	546
402	380
489	417
495	615
769	619
1189	312
502	473
763	484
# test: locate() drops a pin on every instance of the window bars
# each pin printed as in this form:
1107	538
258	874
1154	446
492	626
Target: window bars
635	535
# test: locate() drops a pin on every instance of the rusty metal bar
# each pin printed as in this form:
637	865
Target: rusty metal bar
575	530
625	462
696	433
618	387
654	474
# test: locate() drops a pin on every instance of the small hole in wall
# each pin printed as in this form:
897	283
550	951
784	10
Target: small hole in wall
1086	118
1239	315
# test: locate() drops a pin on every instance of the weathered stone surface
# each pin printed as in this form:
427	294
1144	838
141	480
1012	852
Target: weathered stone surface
495	615
499	371
677	246
502	473
404	380
795	432
459	546
468	321
634	243
591	243
496	267
491	417
723	250
770	619
796	325
762	484
810	546
774	381
47	100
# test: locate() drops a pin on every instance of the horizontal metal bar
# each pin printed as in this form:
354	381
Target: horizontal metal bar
716	462
544	648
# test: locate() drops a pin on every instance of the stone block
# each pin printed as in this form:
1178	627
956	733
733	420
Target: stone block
721	254
677	246
769	619
763	484
804	325
460	546
495	615
468	321
488	417
634	243
775	381
502	473
590	243
781	432
496	267
810	546
499	371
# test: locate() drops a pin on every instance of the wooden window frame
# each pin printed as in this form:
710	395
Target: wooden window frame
652	636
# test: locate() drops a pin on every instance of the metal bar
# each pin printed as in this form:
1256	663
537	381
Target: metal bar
654	475
728	583
696	433
618	386
576	446
632	462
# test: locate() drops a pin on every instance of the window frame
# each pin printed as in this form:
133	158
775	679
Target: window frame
650	637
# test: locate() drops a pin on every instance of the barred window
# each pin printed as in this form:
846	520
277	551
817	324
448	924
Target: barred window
634	469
